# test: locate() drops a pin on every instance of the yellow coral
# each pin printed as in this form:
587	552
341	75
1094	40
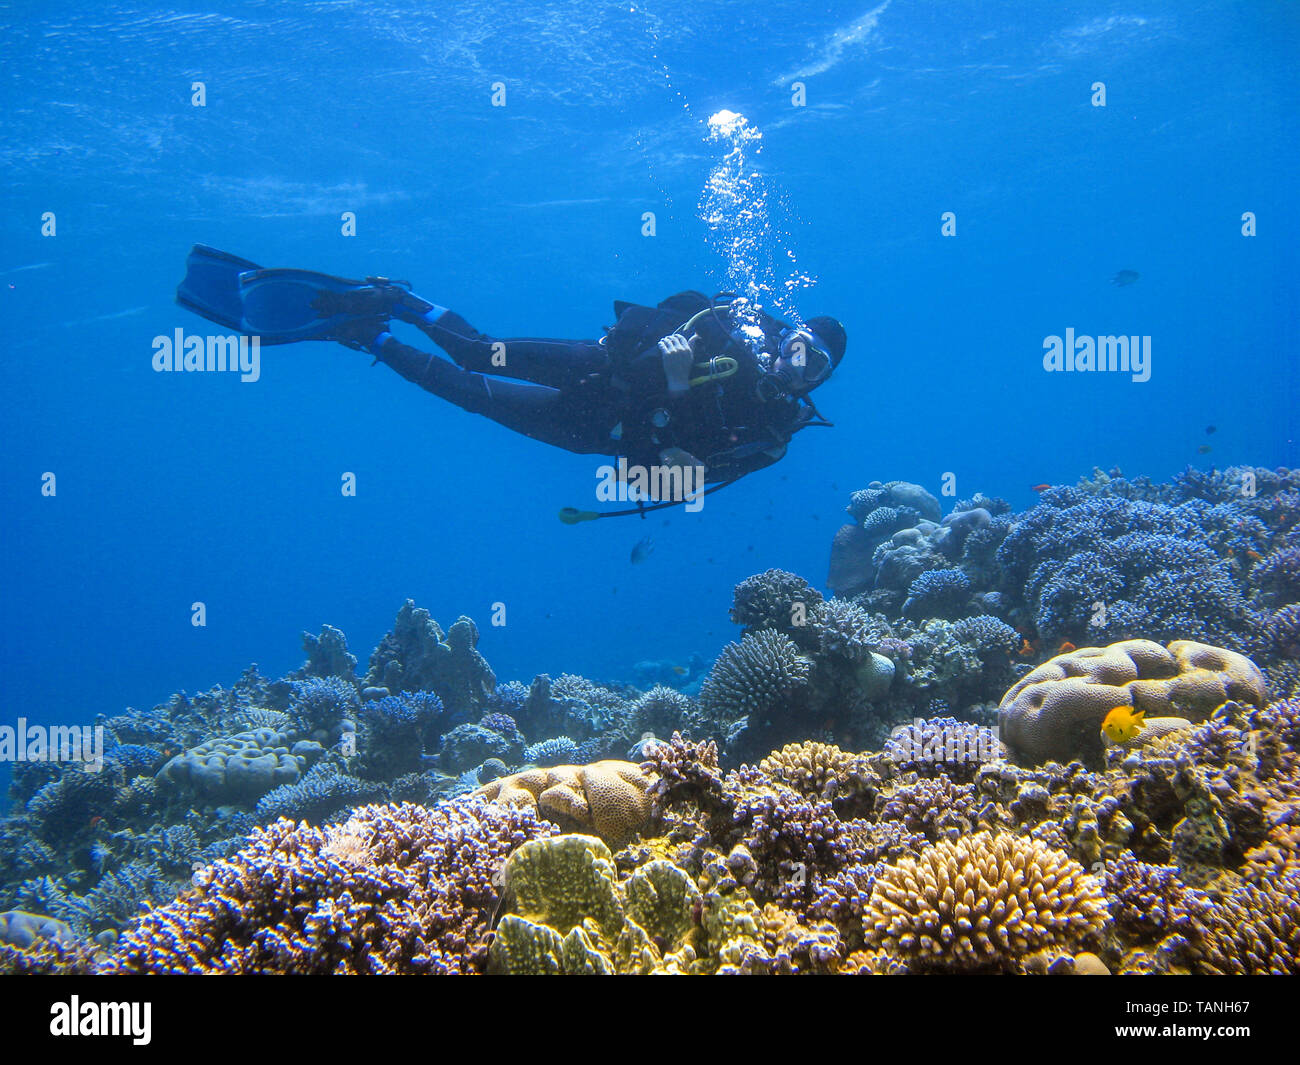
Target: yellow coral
983	900
608	798
570	915
820	770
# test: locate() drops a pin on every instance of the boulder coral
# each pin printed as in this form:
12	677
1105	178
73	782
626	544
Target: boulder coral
608	798
1055	711
242	767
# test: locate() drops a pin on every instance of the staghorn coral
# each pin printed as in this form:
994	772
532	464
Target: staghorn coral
942	745
1277	575
324	793
936	808
942	593
846	629
1277	856
684	774
662	711
982	902
794	841
1252	931
610	798
559	750
397	730
467	746
1282	631
1056	710
396	889
322	706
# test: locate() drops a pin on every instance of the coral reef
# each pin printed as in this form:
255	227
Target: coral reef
418	656
832	800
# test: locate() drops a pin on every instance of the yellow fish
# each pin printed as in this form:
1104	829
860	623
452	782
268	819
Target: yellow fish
1122	724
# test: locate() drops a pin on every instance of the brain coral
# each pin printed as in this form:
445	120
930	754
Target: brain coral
396	889
1056	710
609	798
983	901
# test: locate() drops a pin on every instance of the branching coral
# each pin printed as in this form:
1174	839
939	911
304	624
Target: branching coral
984	901
754	677
823	771
397	889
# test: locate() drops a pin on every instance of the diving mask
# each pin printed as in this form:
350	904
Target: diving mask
804	351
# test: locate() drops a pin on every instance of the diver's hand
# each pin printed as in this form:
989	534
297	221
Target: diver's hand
679	356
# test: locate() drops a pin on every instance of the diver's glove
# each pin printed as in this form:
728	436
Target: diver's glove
678	355
362	334
377	299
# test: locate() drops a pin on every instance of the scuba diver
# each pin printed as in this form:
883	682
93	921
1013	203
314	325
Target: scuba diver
712	383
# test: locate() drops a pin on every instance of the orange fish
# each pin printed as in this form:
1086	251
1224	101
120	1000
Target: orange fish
1039	487
95	820
1027	649
1066	647
1254	556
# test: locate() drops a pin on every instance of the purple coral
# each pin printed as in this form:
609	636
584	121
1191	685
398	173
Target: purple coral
938	593
397	889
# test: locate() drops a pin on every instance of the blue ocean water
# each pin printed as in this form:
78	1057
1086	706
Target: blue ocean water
527	219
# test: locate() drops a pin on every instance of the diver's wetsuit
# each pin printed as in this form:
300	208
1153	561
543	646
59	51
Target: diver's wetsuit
610	397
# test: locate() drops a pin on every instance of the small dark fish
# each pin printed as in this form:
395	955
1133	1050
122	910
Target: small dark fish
681	671
750	547
1204	449
1124	277
642	550
1039	487
1211	429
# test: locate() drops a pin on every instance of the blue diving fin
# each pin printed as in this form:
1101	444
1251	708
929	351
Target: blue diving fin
284	305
